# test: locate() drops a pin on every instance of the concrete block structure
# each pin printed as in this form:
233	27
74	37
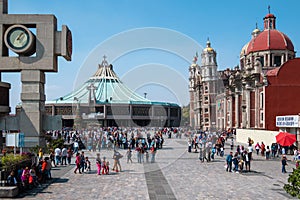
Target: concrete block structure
37	53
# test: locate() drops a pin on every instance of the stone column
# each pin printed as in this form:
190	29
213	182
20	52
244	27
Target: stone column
225	112
230	111
53	110
282	59
237	111
248	109
33	107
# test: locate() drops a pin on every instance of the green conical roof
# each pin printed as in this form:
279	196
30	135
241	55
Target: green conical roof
104	87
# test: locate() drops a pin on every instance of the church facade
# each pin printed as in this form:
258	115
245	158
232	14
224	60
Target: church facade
251	95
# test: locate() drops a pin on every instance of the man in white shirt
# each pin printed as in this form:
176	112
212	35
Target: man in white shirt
64	153
57	152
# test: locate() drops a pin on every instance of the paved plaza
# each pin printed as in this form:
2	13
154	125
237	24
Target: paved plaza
176	174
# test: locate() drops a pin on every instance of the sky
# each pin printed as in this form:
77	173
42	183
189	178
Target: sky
151	41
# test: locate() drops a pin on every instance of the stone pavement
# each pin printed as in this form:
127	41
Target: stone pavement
176	174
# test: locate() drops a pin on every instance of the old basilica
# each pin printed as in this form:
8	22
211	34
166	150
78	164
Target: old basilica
251	95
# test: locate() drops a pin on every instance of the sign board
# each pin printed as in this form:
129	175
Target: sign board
287	121
10	139
21	138
15	139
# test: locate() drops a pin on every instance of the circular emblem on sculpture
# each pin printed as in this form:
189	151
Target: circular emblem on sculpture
20	40
69	43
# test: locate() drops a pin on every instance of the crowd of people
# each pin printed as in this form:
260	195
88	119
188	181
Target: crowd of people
240	157
144	142
243	156
28	177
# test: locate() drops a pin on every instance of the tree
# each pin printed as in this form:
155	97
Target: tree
185	115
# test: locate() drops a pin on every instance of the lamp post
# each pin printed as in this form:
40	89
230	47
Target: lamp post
77	119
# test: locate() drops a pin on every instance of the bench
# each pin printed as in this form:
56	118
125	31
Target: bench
8	191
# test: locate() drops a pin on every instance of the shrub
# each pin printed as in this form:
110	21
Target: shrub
11	159
293	187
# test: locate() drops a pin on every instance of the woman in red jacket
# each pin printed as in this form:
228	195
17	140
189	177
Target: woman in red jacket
77	162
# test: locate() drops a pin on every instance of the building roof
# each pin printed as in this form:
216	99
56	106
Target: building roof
105	87
269	15
270	40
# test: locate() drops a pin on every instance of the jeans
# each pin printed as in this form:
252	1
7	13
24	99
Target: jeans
283	169
69	160
236	167
57	160
64	160
229	166
153	157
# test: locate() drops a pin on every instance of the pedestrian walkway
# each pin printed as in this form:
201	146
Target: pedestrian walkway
176	174
158	187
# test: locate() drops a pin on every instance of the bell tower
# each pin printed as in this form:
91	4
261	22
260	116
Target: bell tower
209	84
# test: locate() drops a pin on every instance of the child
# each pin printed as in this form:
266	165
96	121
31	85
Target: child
283	163
107	167
98	163
222	152
241	165
104	165
33	178
41	154
129	155
213	151
87	164
11	179
25	177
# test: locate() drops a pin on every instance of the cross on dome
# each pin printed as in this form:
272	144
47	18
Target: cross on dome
104	62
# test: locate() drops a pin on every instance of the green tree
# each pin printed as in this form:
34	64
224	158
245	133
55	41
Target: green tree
293	186
185	115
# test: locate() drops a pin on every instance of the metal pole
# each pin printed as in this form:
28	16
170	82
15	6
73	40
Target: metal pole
15	149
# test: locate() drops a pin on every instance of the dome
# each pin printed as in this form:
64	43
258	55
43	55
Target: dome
269	15
244	49
270	40
208	47
256	31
